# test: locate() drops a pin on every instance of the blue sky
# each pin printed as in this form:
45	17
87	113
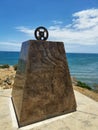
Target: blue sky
75	22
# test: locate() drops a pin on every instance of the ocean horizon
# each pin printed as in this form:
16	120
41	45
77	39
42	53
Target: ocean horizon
82	66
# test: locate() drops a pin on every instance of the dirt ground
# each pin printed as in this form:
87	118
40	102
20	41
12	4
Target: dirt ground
89	93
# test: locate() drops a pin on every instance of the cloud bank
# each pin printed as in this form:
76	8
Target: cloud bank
10	46
82	30
81	35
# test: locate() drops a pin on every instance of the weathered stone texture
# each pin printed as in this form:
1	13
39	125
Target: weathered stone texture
42	87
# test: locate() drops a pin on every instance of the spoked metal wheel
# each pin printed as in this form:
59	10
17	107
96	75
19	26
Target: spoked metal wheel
41	33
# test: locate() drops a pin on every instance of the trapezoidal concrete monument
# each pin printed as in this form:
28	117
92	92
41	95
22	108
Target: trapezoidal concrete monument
42	87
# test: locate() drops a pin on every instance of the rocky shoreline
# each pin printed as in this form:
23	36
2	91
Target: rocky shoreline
7	76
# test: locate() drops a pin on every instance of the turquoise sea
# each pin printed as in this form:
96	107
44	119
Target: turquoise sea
82	66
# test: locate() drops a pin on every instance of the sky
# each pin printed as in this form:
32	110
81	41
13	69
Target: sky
74	22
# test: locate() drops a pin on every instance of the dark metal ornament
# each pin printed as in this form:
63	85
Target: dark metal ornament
41	33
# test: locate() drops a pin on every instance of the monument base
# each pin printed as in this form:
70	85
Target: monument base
42	87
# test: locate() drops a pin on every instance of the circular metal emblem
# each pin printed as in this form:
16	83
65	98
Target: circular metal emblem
41	33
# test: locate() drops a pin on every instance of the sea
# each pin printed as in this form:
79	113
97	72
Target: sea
84	67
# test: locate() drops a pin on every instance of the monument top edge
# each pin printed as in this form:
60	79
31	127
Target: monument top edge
41	41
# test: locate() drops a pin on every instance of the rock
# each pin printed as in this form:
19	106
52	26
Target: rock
0	81
8	81
7	77
42	87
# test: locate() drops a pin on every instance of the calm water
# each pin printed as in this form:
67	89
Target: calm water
10	58
82	66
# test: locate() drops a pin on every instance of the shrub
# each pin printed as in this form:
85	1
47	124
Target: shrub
83	85
95	86
4	66
15	67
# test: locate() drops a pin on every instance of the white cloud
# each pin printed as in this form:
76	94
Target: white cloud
25	30
85	19
9	43
57	22
10	46
83	29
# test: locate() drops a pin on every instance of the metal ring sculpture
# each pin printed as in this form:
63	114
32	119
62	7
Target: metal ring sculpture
41	33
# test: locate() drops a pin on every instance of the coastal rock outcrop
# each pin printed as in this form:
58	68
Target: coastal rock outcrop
7	76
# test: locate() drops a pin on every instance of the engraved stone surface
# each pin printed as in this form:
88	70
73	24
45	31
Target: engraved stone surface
42	87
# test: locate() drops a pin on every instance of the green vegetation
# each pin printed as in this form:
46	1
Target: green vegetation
15	67
95	86
4	66
83	85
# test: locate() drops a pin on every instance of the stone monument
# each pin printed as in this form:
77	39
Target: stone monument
42	87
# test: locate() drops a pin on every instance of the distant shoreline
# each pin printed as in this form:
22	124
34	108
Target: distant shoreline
65	49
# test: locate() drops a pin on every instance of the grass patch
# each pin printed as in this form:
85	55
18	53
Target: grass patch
15	67
83	85
4	66
95	86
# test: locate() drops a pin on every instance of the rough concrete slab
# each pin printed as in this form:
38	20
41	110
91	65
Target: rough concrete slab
85	118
